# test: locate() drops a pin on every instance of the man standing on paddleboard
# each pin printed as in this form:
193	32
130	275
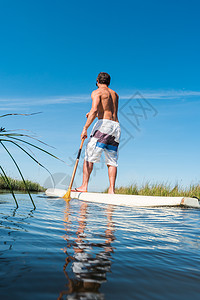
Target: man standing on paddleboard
105	134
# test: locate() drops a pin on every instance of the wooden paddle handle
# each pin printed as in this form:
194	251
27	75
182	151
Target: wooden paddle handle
76	164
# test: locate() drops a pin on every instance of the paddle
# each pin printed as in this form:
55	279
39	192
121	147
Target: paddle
67	195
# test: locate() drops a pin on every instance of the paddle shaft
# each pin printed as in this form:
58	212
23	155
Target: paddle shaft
76	165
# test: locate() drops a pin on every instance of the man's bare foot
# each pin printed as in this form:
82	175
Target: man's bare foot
80	189
111	191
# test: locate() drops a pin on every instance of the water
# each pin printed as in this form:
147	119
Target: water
95	251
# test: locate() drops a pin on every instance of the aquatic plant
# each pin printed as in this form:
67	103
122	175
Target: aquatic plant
21	141
160	189
18	185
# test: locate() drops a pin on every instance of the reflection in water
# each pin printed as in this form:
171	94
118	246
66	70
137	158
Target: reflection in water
88	270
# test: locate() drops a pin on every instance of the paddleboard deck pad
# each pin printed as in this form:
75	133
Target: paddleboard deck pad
127	200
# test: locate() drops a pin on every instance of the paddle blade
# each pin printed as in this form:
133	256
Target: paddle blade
67	195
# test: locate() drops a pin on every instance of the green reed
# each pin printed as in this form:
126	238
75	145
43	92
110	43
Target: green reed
160	189
18	185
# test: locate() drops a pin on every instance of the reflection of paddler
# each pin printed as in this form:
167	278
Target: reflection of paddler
83	262
84	266
89	271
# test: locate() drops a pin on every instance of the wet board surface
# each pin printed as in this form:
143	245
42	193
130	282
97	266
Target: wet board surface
127	200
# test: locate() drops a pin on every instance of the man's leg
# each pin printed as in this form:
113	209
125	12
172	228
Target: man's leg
87	169
112	174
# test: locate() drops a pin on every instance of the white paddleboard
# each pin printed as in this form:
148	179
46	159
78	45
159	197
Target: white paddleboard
127	200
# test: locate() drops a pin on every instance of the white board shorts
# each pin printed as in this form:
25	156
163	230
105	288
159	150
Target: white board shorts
105	136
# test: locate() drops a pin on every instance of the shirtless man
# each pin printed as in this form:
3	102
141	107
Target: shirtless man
105	134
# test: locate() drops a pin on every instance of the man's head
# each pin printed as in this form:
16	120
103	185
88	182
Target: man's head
103	78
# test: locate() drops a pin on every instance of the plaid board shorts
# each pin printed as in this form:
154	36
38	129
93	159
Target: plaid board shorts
105	136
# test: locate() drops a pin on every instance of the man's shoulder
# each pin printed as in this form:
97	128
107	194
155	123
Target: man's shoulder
95	92
113	93
98	92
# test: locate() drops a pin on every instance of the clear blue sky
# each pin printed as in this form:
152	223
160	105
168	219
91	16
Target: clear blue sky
51	53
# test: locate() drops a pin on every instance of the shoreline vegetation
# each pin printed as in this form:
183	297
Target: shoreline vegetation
18	185
160	189
147	189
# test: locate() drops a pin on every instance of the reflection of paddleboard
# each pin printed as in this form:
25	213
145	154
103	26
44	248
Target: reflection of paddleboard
127	200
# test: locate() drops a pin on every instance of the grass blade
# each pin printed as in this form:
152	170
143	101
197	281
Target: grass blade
15	114
37	147
19	173
6	179
32	157
25	135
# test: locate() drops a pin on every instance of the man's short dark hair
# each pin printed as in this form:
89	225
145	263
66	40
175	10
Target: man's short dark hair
103	78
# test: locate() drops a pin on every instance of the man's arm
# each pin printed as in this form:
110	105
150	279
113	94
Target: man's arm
92	114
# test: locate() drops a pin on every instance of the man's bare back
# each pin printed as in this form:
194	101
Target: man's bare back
108	104
104	106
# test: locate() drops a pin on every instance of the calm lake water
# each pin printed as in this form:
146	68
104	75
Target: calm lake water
95	251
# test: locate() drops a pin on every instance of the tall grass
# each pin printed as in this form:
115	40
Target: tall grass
160	189
18	185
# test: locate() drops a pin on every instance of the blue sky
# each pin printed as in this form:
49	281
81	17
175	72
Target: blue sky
51	53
